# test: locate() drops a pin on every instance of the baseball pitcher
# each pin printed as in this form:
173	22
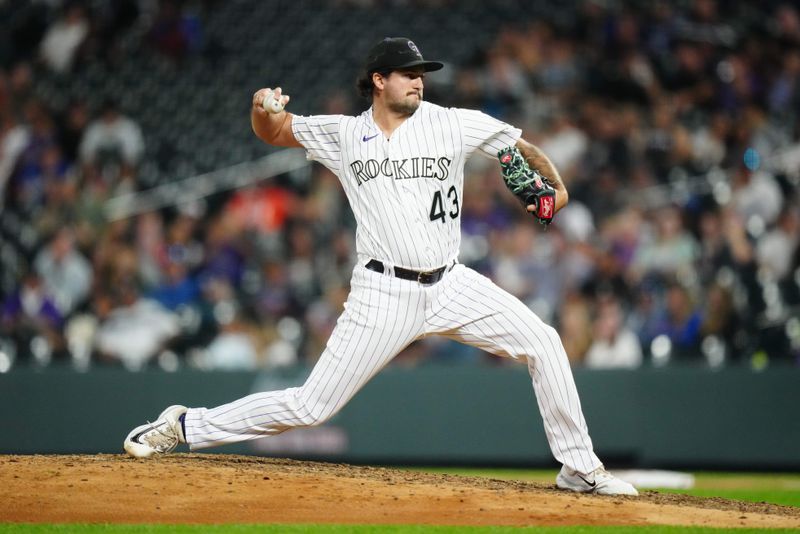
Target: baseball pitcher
401	164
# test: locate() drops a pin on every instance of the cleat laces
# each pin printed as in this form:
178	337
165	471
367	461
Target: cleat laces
159	440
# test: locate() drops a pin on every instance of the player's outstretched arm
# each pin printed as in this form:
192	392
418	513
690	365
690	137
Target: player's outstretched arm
538	161
272	124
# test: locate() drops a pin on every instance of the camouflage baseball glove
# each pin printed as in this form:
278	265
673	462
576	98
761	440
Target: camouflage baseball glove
527	185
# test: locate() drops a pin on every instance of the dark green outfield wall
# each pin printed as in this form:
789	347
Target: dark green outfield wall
650	418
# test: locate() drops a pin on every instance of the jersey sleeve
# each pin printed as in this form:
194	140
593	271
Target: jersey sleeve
481	131
319	135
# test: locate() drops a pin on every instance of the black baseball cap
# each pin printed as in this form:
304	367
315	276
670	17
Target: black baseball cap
397	53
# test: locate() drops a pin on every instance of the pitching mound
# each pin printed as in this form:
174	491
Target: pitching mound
194	488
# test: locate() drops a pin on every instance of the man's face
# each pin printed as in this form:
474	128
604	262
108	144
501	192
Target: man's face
402	90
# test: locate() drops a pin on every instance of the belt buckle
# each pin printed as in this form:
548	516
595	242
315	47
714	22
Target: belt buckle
431	274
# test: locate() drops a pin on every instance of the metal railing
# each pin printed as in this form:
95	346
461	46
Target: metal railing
194	188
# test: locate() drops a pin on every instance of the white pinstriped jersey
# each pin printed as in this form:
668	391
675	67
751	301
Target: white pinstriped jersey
405	191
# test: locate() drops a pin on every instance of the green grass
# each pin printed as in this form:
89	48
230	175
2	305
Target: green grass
775	488
775	496
358	529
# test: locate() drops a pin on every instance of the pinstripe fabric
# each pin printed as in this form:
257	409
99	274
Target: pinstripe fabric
384	314
471	309
378	322
390	184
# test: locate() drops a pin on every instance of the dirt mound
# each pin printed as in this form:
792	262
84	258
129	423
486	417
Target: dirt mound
204	488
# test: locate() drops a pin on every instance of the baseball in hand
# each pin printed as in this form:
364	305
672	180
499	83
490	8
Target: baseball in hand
271	104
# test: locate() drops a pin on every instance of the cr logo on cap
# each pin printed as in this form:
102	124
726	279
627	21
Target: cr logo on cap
413	47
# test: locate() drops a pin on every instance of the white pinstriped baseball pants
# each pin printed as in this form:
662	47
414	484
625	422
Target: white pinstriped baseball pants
383	315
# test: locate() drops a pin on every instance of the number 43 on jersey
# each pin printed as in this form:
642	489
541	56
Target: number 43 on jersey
437	206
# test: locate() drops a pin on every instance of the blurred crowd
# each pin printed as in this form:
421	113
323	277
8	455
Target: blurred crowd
676	127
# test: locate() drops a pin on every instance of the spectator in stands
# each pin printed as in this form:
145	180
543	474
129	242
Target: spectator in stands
575	327
234	348
178	287
483	216
14	137
273	299
112	145
709	142
60	194
723	243
777	248
786	24
526	265
168	263
658	138
175	31
559	73
680	320
72	125
504	86
625	232
135	331
225	256
336	261
566	143
90	219
515	261
150	247
722	322
672	249
784	95
757	197
66	273
324	206
614	346
27	180
64	37
20	84
30	319
182	239
302	264
263	209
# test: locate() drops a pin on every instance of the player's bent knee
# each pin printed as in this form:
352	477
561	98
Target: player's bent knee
546	342
554	340
552	334
313	412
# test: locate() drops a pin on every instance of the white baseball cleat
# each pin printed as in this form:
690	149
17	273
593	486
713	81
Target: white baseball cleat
598	481
158	437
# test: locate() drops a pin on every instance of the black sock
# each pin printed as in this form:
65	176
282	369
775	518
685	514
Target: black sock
182	419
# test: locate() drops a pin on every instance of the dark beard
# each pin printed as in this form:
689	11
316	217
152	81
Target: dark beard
405	108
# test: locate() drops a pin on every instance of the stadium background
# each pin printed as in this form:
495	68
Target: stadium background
151	245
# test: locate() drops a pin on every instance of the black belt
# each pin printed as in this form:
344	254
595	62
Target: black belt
423	277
